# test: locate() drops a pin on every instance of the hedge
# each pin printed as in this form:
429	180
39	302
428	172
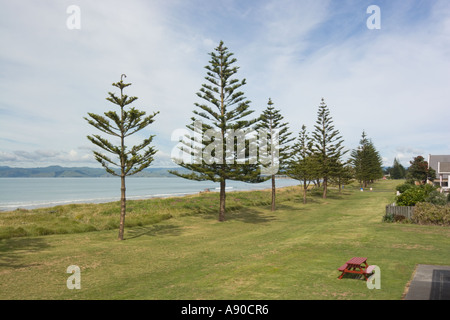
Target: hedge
428	213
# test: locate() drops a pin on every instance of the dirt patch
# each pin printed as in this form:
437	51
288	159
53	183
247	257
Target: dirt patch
412	247
442	230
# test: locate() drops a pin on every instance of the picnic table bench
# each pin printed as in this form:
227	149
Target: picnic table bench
356	265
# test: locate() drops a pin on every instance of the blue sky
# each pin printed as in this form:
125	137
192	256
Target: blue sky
393	82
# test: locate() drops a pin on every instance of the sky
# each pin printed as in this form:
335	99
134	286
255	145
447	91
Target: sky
56	65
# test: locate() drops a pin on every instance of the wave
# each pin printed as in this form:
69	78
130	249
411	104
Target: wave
39	204
33	205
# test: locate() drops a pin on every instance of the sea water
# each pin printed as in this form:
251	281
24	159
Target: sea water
28	193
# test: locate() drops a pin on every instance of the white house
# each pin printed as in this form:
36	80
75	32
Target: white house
440	164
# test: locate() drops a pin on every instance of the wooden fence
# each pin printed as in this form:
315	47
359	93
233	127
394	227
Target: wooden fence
400	211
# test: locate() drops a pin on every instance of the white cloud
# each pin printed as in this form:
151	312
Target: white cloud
392	82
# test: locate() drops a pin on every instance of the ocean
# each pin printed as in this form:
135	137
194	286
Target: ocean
29	193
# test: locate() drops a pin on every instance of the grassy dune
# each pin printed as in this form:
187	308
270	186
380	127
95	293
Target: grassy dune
77	218
176	249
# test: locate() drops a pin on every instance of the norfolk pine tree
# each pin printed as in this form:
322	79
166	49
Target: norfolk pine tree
303	165
343	174
327	145
397	171
271	122
223	113
121	125
366	161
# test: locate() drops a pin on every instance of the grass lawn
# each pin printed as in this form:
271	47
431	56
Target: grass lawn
291	254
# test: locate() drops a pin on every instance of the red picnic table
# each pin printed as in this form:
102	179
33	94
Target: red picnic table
356	265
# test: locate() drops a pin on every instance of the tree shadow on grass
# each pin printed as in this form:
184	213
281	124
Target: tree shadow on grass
336	196
239	213
294	207
353	276
11	250
153	231
249	216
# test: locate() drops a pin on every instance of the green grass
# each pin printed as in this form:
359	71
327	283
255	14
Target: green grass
77	218
291	254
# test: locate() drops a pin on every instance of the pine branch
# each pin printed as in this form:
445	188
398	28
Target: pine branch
104	144
101	124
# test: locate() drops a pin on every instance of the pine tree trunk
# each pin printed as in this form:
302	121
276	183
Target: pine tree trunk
273	192
122	207
122	178
222	201
325	185
304	191
222	181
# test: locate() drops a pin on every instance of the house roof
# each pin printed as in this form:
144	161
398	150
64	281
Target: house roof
444	167
440	163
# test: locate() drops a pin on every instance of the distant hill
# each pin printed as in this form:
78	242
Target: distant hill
76	172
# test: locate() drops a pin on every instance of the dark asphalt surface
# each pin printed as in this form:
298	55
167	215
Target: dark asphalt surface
430	282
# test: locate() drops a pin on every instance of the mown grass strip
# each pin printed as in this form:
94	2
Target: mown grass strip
292	253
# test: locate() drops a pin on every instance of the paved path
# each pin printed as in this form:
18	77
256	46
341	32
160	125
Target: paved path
430	283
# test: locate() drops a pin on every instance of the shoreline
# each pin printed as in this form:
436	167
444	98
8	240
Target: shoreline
56	203
89	201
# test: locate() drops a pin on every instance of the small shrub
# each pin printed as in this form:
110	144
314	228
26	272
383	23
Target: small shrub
435	197
415	194
389	217
428	213
403	187
411	196
399	218
428	188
